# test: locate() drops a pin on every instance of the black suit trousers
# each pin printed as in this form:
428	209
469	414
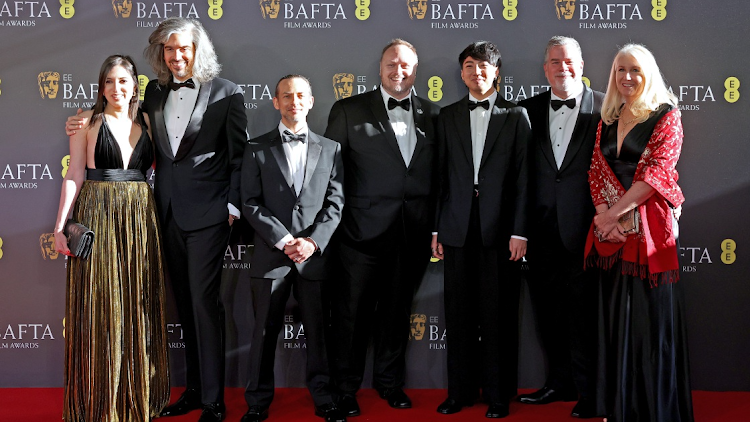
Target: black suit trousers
194	261
269	303
482	289
564	297
373	297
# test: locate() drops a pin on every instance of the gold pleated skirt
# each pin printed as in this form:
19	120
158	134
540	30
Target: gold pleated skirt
116	367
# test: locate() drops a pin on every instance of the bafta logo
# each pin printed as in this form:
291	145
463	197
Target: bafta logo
49	84
47	244
269	8
417	8
122	8
342	85
565	9
417	322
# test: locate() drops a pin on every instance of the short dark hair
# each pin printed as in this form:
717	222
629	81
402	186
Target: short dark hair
481	50
291	76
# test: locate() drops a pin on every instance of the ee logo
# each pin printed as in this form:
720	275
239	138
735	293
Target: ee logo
1	248
728	247
509	9
586	81
659	12
363	9
65	164
732	94
214	9
435	84
66	8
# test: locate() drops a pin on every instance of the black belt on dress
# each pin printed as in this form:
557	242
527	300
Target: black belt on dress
115	175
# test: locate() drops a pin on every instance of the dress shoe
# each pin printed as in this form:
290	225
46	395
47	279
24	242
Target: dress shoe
547	395
348	405
213	412
330	413
584	409
189	400
255	414
450	406
395	397
497	410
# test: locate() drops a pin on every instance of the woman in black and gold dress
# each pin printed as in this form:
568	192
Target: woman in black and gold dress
115	338
643	343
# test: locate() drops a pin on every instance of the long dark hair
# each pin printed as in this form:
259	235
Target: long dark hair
126	63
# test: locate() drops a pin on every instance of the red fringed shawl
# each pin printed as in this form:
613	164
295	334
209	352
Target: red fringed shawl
652	253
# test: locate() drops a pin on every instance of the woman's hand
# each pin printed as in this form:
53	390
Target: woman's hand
61	243
605	222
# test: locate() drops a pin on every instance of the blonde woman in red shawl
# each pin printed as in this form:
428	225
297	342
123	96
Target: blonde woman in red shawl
643	358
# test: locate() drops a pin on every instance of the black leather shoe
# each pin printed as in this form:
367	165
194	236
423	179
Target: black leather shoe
450	406
255	414
213	412
497	410
330	413
395	397
348	405
547	395
584	409
189	400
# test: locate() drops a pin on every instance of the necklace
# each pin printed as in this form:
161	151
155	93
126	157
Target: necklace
621	132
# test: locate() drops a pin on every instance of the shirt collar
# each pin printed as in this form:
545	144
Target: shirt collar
195	81
386	96
282	128
492	98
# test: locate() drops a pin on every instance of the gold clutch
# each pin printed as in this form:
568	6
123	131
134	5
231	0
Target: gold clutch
630	222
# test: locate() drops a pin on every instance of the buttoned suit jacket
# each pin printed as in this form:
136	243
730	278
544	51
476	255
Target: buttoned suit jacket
560	198
503	174
271	205
204	175
381	190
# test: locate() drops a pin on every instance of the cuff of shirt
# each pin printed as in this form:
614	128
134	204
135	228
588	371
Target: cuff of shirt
519	238
313	242
284	240
233	210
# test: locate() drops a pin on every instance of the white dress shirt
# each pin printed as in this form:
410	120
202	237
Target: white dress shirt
561	125
402	122
296	159
480	121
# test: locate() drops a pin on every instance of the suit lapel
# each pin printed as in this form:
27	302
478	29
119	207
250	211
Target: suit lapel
581	128
196	119
381	116
419	123
497	120
313	154
277	149
463	125
160	125
545	141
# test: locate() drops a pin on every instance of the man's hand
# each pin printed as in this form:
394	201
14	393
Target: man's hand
437	248
74	123
299	249
517	248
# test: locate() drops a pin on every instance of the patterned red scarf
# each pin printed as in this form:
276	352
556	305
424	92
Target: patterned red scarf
652	253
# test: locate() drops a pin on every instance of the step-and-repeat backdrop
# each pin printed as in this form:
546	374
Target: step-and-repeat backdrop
51	51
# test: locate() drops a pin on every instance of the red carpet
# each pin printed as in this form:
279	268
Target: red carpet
294	404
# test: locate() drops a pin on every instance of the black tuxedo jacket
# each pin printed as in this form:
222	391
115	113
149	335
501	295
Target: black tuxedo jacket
503	169
561	198
204	176
272	207
381	191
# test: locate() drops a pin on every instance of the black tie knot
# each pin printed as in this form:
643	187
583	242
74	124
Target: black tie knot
474	104
177	85
290	137
556	104
393	103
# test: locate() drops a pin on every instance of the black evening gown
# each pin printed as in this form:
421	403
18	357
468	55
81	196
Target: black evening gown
644	373
116	367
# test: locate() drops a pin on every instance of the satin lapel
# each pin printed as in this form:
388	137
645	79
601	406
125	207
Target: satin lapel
419	123
196	119
383	122
277	149
545	142
497	120
160	125
463	125
581	128
313	154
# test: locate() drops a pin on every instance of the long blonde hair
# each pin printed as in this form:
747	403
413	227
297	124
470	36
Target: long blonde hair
653	94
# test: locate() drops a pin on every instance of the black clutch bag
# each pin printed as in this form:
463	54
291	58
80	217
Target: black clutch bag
80	239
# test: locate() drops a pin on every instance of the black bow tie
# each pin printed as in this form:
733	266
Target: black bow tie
393	103
177	85
474	104
290	137
556	104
